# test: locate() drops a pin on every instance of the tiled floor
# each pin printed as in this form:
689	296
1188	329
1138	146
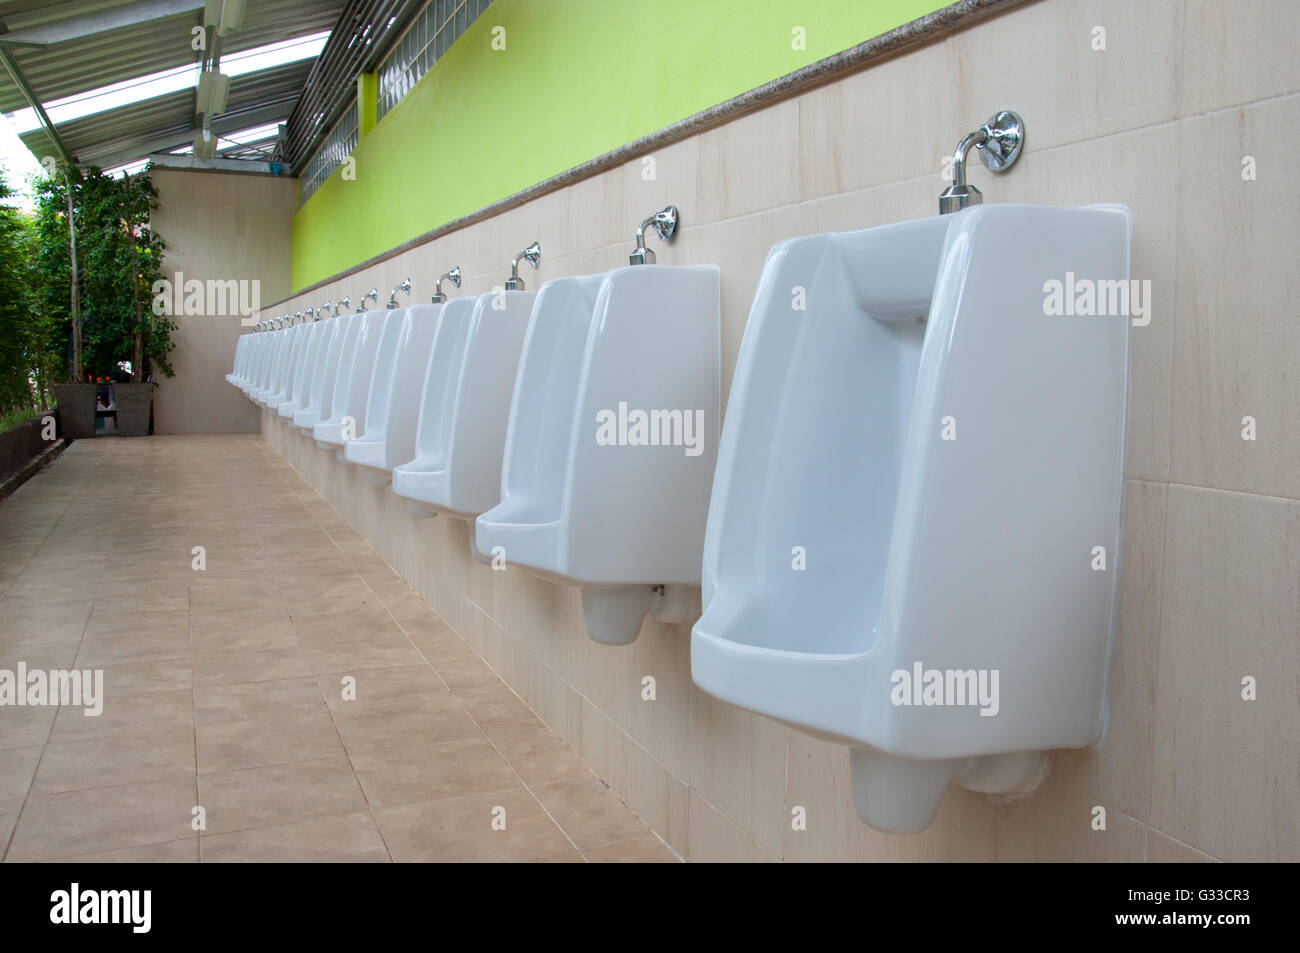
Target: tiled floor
224	687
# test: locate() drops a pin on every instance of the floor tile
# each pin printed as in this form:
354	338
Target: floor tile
58	826
253	798
461	830
348	838
394	776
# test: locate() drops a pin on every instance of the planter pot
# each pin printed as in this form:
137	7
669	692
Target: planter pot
76	409
133	402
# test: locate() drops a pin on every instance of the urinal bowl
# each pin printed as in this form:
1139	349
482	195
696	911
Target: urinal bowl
913	475
313	334
323	387
412	480
352	387
612	442
391	413
464	407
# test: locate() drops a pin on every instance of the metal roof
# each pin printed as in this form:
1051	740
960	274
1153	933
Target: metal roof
111	53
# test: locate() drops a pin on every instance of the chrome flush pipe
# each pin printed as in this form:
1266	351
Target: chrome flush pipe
532	254
327	306
998	143
344	303
453	276
665	226
404	286
372	294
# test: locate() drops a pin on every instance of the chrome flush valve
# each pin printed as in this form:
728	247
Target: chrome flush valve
404	287
344	303
532	254
665	226
453	276
372	294
999	142
327	306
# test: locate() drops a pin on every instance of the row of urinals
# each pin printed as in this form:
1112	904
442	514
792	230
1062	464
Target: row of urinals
918	467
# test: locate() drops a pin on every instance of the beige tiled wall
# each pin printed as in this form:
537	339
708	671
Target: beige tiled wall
1211	567
217	226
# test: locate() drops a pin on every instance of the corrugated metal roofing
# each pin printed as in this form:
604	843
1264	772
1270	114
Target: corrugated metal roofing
119	135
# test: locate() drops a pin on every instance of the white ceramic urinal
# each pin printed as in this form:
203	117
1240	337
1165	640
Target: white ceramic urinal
437	400
291	367
261	387
919	478
378	401
282	370
389	437
341	378
241	351
271	367
352	387
257	348
465	404
612	442
323	385
245	354
313	334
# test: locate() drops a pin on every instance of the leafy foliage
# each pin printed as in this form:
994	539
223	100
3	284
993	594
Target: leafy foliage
18	332
118	259
122	258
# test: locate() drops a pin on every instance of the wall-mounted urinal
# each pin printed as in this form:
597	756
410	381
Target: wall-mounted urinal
291	367
915	521
391	417
273	377
436	404
241	354
379	386
322	383
255	354
612	440
265	359
307	367
465	401
352	386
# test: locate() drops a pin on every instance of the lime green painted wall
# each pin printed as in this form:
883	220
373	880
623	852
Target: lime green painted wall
577	79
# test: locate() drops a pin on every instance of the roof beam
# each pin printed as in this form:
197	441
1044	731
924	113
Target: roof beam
35	102
246	166
79	27
124	151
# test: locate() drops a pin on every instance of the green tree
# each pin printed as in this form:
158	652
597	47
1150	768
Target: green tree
123	258
118	257
50	261
17	386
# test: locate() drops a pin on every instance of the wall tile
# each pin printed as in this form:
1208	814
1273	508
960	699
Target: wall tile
1039	60
1163	849
896	120
1236	336
1225	770
750	164
738	762
714	839
1230	54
